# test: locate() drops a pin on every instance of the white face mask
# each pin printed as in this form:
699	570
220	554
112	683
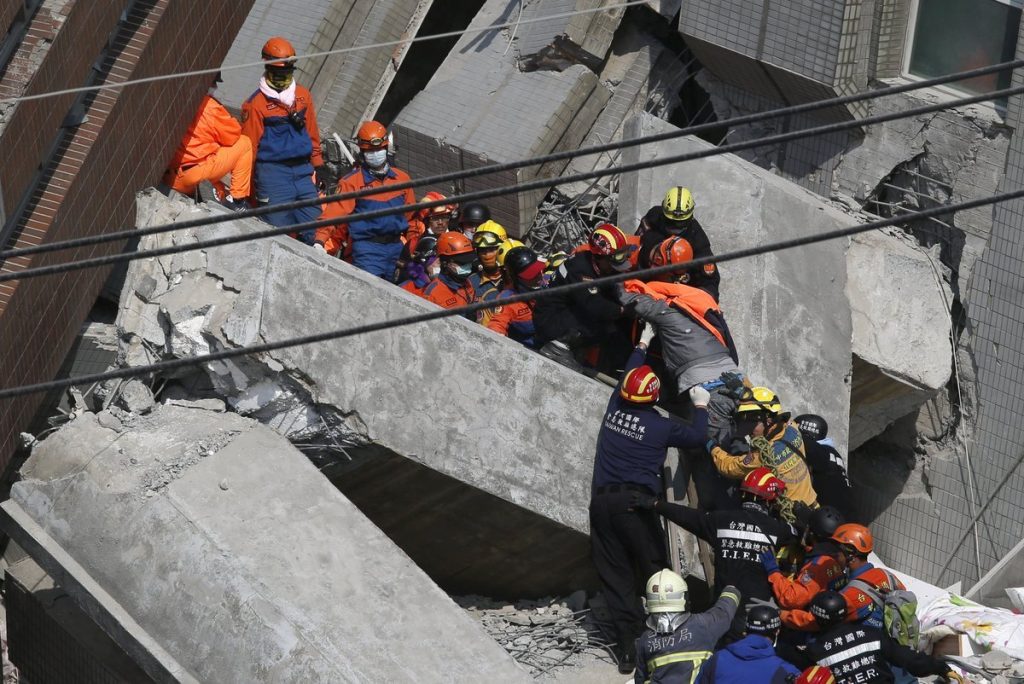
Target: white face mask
376	159
464	270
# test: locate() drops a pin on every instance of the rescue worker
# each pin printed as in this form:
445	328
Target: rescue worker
422	267
470	217
488	280
696	344
828	470
676	643
376	243
632	443
213	147
737	537
774	441
860	654
525	273
568	323
674	218
823	567
864	582
431	221
752	659
280	121
451	288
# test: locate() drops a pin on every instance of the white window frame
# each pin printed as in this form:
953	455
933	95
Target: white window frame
946	92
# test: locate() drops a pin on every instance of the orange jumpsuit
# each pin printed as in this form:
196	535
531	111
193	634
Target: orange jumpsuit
821	572
212	147
448	293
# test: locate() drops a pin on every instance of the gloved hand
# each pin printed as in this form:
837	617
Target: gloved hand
734	385
760	602
952	676
648	334
319	246
769	562
418	273
638	501
323	177
699	396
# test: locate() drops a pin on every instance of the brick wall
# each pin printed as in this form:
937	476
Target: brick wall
122	148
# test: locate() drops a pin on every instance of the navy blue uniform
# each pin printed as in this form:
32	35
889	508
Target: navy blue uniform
858	654
628	545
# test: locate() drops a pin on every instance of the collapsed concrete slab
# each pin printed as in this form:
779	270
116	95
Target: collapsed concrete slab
900	301
479	108
510	434
787	310
232	559
575	35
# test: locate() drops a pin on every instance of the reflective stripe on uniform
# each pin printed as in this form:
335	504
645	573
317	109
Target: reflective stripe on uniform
749	536
695	657
735	597
869	647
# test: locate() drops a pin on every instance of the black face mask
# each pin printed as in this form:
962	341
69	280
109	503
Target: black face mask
676	227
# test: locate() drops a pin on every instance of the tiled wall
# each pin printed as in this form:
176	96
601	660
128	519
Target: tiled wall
123	147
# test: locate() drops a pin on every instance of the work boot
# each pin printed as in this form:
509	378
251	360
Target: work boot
233	204
559	351
627	662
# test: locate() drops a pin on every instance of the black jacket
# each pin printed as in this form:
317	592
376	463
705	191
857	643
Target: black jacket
653	231
738	537
858	654
588	311
829	477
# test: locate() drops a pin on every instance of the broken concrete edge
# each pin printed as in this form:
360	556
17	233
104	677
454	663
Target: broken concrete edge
94	601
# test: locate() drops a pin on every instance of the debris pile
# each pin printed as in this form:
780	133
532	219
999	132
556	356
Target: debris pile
542	634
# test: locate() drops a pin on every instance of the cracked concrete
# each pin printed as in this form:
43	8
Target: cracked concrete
233	555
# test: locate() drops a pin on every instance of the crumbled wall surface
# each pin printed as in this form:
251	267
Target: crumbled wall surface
480	108
523	429
787	311
239	559
900	302
953	460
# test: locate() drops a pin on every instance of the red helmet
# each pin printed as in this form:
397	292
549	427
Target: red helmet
675	250
640	385
762	483
277	48
816	674
372	136
857	536
452	243
607	240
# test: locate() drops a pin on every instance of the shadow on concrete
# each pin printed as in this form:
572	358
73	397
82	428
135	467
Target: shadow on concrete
466	540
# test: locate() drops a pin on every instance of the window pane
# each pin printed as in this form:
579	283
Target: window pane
957	35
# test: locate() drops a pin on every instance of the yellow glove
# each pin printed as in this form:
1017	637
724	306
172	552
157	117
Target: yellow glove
952	676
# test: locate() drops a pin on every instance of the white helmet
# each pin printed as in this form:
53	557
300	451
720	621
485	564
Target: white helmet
666	593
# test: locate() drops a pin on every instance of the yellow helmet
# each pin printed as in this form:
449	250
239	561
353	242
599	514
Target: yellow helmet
760	399
505	247
554	261
489	234
666	593
678	204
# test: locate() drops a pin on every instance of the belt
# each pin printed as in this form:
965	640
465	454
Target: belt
296	161
612	489
385	239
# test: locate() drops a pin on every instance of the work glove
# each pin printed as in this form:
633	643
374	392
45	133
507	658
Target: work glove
699	396
319	246
648	334
754	602
734	386
952	676
638	501
769	562
323	177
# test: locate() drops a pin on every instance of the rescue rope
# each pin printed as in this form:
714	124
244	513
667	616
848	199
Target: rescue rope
770	460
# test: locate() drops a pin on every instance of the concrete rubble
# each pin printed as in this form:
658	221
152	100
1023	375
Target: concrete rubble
458	123
235	556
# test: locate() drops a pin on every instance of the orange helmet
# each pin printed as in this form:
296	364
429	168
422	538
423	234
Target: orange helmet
372	136
277	48
856	536
762	483
434	196
675	250
452	243
816	674
607	240
640	386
